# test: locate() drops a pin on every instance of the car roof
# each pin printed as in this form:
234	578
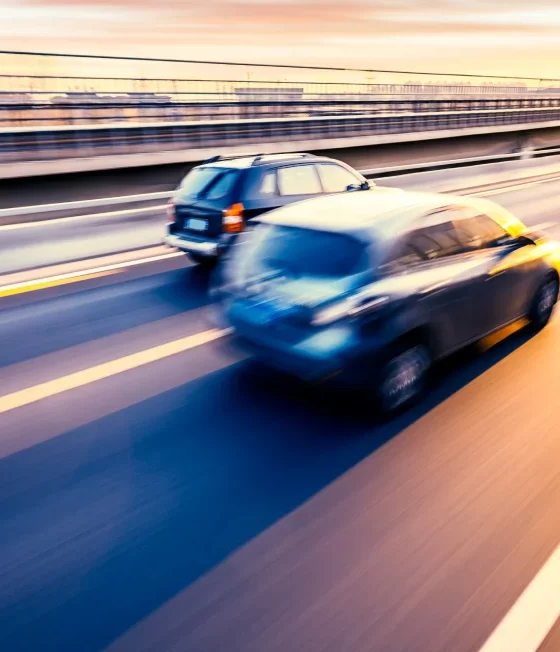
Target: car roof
260	161
383	211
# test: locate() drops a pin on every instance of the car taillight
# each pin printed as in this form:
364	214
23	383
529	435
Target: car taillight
170	211
233	219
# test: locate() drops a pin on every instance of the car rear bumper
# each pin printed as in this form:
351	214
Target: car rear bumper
312	357
297	363
208	248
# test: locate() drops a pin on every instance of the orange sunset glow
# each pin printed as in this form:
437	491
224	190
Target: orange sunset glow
480	36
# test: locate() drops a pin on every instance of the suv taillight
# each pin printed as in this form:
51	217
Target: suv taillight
233	219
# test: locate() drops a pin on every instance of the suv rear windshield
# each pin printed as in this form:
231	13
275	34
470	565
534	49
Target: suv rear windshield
201	181
306	252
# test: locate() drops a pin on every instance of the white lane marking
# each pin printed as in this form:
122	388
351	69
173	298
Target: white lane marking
528	622
74	218
84	203
92	270
519	186
107	369
130	211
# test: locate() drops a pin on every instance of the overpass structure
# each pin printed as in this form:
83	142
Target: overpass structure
52	122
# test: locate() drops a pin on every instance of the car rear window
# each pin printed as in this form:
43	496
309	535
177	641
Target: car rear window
222	186
213	182
306	252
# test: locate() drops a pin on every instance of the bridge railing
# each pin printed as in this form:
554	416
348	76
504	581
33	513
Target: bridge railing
38	88
111	110
47	143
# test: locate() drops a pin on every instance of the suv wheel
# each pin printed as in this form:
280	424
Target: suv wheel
204	261
543	303
403	378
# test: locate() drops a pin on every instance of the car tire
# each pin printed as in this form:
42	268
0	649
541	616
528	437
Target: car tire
403	378
204	261
543	303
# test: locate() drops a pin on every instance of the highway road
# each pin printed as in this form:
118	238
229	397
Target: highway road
159	491
106	230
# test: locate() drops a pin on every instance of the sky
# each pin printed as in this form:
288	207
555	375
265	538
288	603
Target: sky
509	37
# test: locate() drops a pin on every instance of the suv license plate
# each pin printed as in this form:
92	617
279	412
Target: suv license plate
197	225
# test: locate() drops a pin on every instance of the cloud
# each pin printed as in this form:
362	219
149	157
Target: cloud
368	33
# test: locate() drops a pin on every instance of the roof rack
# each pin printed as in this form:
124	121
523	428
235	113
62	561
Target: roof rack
260	158
219	157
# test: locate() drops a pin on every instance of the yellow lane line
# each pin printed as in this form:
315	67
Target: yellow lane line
41	285
84	275
106	370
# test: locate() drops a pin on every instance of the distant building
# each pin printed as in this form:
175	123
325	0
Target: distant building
269	94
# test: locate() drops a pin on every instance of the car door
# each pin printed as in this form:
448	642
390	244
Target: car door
336	178
509	265
445	279
278	186
298	182
260	192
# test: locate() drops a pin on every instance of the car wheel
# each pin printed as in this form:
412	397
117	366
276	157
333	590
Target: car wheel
403	378
543	303
204	261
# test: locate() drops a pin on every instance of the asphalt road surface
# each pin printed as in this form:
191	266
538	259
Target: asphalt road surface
163	493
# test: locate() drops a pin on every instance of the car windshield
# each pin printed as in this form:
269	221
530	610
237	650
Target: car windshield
301	252
198	180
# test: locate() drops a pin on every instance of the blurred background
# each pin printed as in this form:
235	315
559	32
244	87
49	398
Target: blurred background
161	490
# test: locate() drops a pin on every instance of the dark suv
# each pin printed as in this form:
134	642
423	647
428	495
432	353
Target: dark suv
216	199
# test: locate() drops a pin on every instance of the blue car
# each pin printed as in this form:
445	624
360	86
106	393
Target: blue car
378	286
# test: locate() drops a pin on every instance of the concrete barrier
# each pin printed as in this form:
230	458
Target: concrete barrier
71	147
450	176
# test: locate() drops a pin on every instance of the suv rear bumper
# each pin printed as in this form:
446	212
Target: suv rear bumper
208	248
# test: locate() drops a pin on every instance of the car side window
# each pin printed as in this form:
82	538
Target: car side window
335	178
402	257
478	231
267	186
423	244
435	241
299	180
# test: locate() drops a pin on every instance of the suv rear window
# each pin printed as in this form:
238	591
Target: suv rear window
222	187
206	180
306	252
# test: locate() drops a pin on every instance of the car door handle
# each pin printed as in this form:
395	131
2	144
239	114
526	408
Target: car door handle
498	272
436	288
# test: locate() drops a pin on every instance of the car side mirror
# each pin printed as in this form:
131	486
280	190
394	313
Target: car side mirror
365	185
525	240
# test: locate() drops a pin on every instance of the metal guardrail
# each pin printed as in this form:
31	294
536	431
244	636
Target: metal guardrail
77	110
46	143
456	163
19	211
83	204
